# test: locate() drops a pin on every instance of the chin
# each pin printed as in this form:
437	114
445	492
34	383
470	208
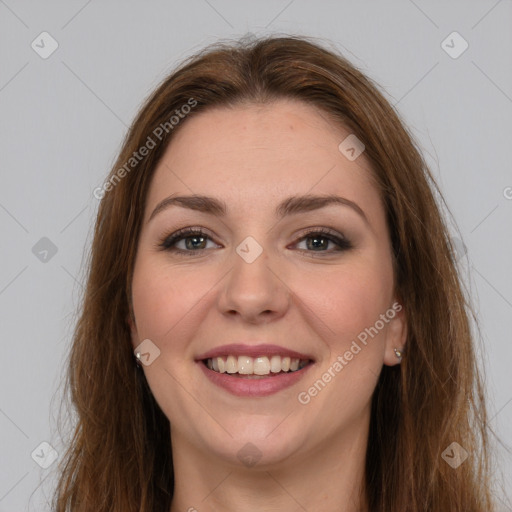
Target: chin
260	441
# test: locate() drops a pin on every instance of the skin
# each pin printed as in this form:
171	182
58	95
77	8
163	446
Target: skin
315	301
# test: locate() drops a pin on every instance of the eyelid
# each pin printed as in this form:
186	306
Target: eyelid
323	230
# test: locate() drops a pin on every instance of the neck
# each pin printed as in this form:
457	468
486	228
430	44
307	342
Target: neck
330	478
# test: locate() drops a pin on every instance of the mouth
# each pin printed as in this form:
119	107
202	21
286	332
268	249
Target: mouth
254	370
255	367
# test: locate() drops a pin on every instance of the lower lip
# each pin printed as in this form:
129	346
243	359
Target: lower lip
262	386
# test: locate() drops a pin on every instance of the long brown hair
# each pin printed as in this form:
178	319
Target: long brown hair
119	456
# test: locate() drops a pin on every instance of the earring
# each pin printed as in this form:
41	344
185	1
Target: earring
398	354
138	361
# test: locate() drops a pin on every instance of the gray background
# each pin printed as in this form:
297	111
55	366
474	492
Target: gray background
63	119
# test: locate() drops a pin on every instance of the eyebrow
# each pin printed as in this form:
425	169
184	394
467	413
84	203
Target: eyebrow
290	206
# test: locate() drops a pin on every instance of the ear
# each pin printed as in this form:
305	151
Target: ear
396	334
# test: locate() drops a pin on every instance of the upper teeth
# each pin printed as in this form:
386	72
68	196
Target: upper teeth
262	365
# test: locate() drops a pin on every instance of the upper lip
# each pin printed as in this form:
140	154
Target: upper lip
240	349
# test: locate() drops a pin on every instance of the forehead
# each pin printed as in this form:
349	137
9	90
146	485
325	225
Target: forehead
252	155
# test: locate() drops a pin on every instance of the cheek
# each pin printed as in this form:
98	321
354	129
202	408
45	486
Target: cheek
349	303
346	301
162	298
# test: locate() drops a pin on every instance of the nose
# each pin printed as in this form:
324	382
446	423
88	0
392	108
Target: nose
254	292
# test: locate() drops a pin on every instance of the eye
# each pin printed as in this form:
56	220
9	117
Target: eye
194	241
318	240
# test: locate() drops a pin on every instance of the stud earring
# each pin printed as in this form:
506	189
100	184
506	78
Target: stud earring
398	354
138	361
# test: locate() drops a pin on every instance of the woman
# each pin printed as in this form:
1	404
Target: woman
273	318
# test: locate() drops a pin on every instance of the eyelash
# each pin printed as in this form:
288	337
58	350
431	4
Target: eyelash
167	243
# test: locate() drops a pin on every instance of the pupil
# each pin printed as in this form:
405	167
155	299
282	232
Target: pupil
190	245
315	242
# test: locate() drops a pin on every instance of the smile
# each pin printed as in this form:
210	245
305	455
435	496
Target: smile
254	370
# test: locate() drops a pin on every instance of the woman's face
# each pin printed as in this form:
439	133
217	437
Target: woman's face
261	288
